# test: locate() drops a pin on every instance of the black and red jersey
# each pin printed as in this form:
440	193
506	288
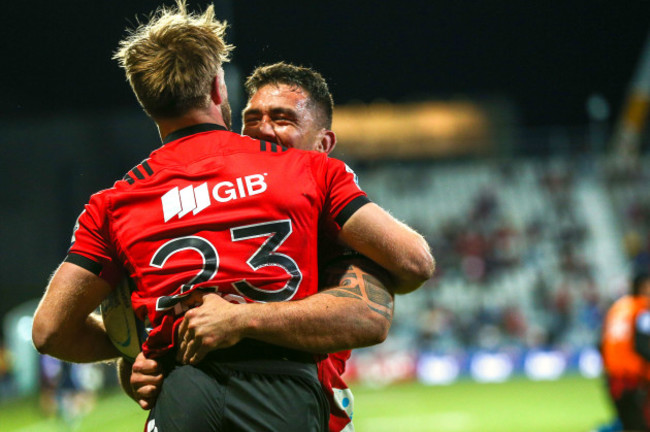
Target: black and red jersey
215	210
339	396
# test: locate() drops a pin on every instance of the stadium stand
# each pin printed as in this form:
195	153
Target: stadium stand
529	252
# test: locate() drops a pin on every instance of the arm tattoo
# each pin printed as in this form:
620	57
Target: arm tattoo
352	280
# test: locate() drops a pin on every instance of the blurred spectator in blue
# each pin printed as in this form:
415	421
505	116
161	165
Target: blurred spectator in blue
67	389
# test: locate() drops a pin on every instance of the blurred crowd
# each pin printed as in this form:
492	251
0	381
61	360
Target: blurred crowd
506	280
629	189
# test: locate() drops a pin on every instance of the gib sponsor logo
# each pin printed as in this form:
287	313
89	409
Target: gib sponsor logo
244	186
180	202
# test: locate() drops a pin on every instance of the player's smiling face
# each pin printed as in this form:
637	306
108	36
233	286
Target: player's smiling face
282	114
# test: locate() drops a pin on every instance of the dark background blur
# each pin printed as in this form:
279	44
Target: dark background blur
68	117
547	56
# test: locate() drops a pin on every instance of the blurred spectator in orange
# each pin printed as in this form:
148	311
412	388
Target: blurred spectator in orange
625	347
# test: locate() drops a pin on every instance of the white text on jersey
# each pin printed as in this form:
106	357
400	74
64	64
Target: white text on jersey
195	199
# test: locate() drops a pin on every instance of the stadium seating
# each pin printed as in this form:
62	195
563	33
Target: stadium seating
530	252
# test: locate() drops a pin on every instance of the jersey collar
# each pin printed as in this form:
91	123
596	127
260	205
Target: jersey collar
191	130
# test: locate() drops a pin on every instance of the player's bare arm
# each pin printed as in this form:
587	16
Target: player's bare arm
373	232
360	315
353	312
64	325
354	279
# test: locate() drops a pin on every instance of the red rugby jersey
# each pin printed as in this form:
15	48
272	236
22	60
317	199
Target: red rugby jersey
214	210
339	396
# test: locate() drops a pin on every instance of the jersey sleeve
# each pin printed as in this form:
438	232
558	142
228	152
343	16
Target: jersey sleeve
91	248
344	196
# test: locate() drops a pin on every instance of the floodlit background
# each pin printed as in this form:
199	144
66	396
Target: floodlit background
511	134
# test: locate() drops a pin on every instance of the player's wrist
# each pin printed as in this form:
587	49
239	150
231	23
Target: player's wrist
249	321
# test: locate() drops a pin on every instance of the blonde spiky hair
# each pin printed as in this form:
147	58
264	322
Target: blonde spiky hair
171	61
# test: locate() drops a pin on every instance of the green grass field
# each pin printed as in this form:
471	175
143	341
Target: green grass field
570	405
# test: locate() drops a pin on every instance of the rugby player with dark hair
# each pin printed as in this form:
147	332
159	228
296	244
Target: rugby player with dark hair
292	105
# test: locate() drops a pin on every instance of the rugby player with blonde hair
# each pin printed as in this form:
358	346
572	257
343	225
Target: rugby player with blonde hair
212	211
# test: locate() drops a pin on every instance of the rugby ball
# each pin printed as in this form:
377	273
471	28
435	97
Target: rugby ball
125	330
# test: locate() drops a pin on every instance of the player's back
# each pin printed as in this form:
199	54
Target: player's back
224	199
218	211
214	210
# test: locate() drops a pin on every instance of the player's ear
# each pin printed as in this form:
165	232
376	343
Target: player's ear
218	89
327	141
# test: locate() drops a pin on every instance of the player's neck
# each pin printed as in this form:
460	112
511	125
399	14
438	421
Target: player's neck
169	125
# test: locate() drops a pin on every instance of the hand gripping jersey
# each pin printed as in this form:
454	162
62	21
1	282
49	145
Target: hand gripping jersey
212	210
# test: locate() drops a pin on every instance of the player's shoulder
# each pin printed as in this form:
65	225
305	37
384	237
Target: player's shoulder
242	144
298	157
103	196
141	171
317	159
240	140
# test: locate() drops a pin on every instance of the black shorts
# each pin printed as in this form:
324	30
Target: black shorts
631	398
270	395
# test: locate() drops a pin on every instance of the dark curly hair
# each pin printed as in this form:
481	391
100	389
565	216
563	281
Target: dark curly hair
299	76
